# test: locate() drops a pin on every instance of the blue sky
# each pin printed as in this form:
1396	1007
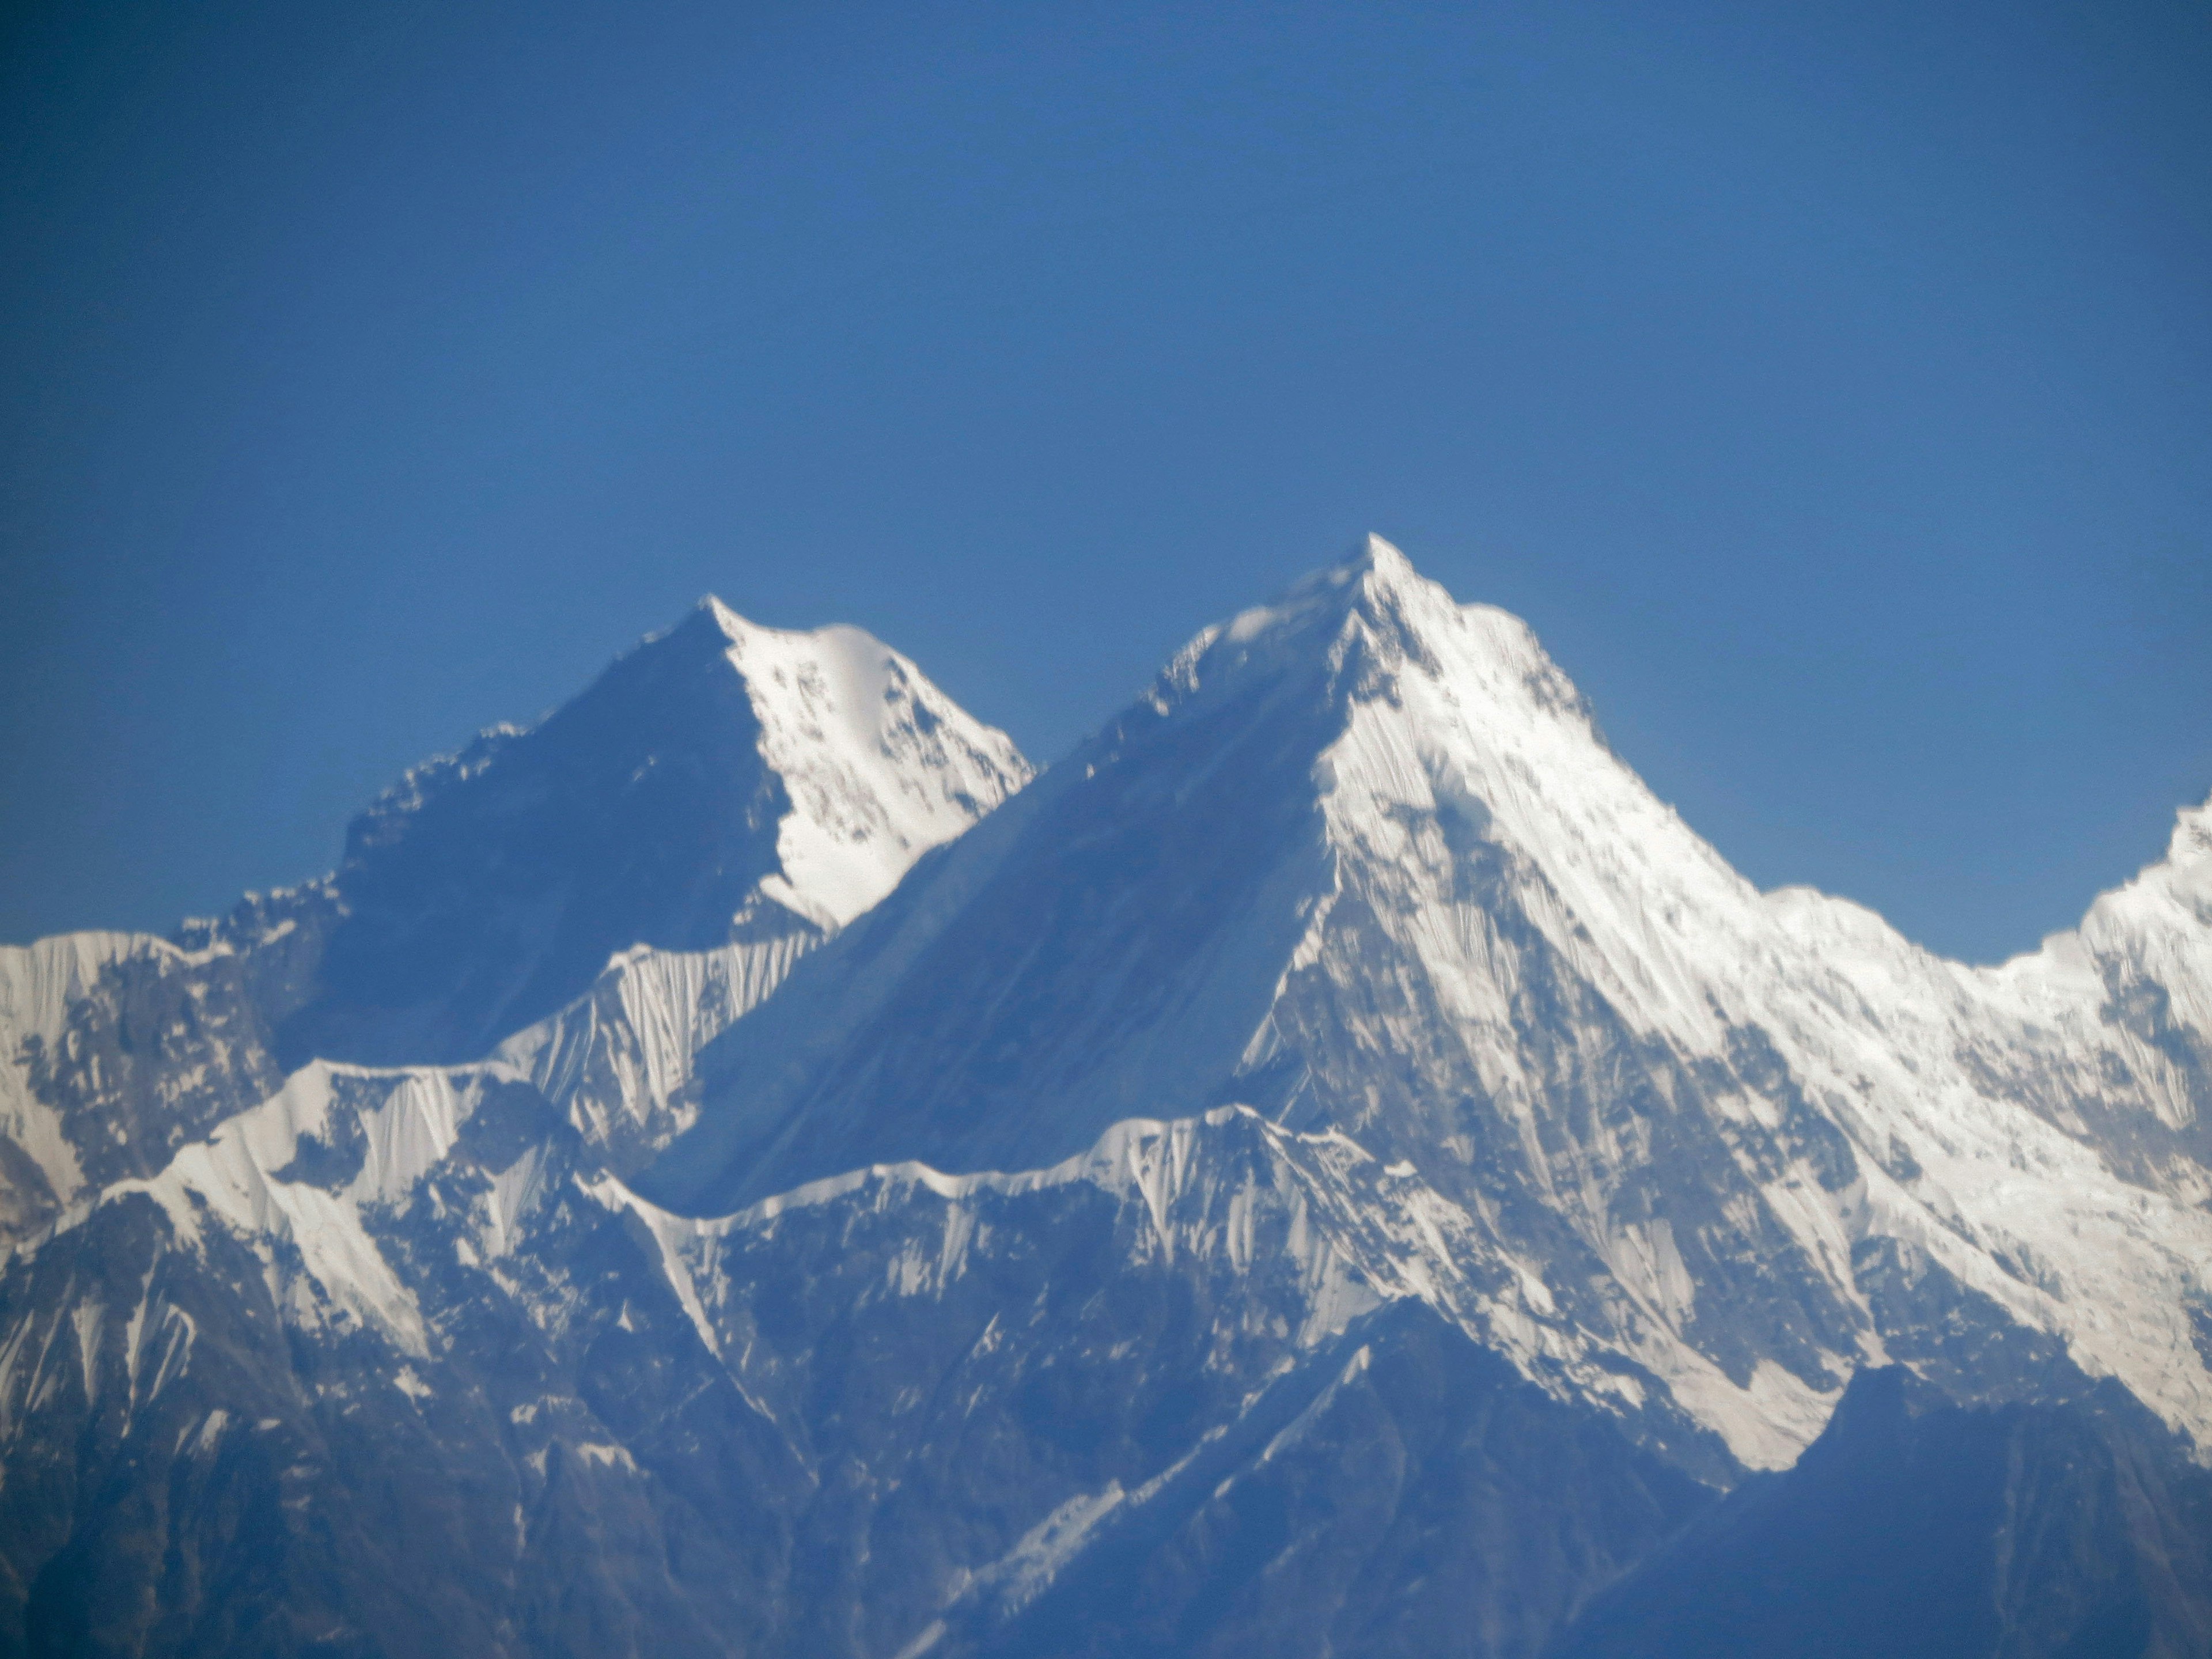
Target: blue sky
1834	393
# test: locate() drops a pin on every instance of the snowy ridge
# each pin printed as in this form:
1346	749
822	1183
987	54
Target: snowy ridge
1315	1222
249	1177
38	983
1753	1137
1324	1233
872	766
387	1236
1926	1066
879	764
618	1060
615	1063
2151	933
721	783
1338	1119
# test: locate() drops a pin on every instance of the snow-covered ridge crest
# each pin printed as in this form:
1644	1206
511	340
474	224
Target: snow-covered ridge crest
422	781
518	877
1321	1230
1965	1095
2153	932
299	1172
614	1065
1743	1143
1356	622
619	1060
1763	1130
879	764
721	782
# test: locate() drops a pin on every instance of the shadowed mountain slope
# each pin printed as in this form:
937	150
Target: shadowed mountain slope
1923	1529
1333	1167
722	782
1362	860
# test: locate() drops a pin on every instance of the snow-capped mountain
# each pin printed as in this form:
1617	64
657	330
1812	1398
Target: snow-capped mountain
724	783
1363	860
1333	1167
595	896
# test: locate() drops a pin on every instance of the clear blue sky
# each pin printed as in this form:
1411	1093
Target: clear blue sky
1831	386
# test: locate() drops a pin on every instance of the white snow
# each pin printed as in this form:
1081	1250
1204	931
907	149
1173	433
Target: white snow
1447	737
1979	1103
38	983
236	1174
1897	1045
880	765
1244	1196
619	1056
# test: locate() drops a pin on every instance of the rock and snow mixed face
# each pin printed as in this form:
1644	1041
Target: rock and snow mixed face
1345	997
597	897
38	983
723	783
1362	860
878	765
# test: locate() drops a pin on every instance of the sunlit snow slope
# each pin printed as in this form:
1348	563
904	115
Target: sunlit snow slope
1362	860
586	902
723	783
1334	1168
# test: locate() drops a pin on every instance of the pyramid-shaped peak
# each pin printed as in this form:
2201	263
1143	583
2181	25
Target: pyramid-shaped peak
849	655
688	669
718	765
876	762
1360	723
720	617
1359	622
1374	576
713	613
704	634
1383	559
1374	567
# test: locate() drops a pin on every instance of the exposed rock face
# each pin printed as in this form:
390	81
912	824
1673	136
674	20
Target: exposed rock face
117	1049
827	1424
1333	1167
1414	1496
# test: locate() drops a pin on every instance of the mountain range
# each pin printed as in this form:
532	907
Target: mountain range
1332	1166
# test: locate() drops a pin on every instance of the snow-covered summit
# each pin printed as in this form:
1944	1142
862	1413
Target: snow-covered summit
1140	916
723	780
1344	635
2163	911
1361	859
879	765
1338	1118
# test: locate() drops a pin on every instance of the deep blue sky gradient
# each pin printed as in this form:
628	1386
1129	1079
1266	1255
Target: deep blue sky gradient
1832	393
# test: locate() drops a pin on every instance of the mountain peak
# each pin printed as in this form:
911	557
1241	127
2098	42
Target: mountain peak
877	762
1383	561
722	777
1360	625
1374	573
1208	829
713	612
